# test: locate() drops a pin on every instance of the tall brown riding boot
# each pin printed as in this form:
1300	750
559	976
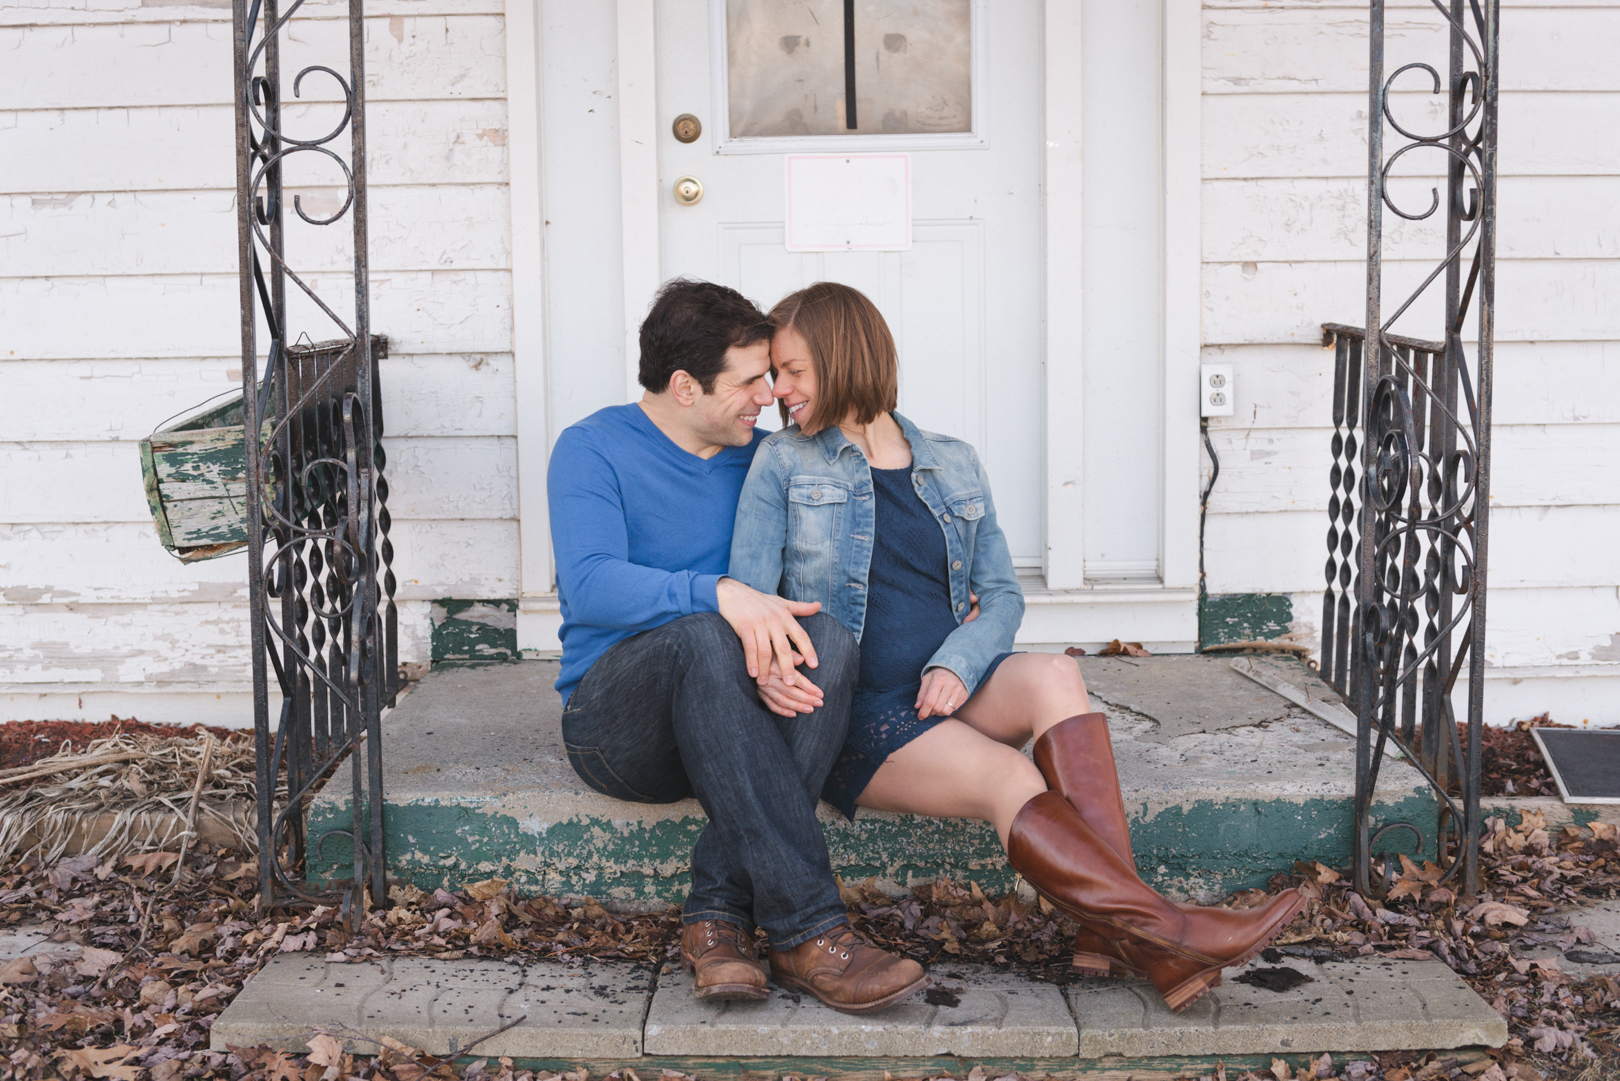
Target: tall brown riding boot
1180	950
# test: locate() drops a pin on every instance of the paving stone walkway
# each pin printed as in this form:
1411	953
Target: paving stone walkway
601	1011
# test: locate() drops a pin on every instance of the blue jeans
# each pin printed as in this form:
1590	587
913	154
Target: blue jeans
671	713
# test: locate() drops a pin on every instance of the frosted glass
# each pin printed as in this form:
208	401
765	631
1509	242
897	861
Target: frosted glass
785	67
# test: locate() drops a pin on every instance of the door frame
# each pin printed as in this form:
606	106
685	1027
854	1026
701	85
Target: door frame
1063	607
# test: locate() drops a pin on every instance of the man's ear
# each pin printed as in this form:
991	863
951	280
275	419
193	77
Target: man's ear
683	388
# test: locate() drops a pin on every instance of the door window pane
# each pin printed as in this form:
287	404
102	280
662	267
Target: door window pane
787	74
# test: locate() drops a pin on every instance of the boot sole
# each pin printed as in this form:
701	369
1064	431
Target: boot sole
724	992
1095	964
791	983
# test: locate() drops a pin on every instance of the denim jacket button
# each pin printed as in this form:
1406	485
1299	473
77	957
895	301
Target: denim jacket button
957	565
960	606
947	519
816	494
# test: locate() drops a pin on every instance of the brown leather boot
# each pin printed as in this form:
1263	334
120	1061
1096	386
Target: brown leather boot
1076	757
723	961
1180	950
846	972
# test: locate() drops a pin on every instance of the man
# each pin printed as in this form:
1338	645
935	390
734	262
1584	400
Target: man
661	701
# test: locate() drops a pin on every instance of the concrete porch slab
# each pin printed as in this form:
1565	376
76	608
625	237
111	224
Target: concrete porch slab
969	1012
1371	1005
592	1010
476	785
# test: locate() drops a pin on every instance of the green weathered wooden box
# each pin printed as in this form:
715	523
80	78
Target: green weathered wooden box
196	482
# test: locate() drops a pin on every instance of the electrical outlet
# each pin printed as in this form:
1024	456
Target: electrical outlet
1215	390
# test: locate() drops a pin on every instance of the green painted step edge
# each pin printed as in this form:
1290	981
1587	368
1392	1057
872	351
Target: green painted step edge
474	630
1243	617
1208	846
879	1069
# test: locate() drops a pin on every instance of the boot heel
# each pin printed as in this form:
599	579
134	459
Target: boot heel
1187	992
1095	964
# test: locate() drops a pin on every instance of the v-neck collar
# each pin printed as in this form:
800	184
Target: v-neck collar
680	454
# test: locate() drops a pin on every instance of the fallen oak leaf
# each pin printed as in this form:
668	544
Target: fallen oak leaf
105	1062
324	1050
94	961
483	891
18	970
283	1067
147	863
1281	1071
1492	913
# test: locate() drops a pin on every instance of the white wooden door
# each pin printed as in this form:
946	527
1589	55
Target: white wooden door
965	302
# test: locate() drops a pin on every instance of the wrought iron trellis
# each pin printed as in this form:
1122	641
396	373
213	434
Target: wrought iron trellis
320	579
1403	615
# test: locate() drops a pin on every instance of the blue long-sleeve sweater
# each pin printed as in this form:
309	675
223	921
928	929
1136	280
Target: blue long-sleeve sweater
641	530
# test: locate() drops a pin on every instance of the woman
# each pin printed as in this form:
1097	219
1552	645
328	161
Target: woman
893	530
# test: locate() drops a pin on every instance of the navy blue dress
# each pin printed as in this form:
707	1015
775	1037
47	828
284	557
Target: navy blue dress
908	617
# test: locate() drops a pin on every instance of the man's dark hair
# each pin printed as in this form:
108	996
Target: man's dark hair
690	327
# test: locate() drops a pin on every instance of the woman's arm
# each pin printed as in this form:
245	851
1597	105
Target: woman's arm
969	649
759	537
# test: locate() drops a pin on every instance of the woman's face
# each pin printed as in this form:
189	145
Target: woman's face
795	383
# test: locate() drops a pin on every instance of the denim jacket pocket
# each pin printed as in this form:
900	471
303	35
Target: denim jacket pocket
816	511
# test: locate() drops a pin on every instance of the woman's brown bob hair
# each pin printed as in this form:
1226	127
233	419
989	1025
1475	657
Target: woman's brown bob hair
857	369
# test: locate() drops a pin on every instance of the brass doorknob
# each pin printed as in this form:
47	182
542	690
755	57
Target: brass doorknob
688	191
688	128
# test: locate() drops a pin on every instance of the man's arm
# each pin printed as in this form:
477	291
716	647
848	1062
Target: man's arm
592	546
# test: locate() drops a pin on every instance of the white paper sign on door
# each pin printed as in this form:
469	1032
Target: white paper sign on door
848	202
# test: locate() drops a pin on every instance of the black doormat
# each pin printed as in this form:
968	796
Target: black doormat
1584	761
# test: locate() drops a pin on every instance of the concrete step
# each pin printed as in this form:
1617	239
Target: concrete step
601	1012
1225	782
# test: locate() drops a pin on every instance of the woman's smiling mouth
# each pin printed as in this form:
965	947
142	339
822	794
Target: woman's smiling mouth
794	410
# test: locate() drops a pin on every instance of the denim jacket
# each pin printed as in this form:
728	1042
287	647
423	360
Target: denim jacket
805	525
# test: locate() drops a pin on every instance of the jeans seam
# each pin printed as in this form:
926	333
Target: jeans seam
579	752
688	918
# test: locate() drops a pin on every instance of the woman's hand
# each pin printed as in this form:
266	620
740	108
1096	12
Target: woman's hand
787	700
941	694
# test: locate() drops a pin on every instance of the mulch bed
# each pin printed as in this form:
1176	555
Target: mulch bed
23	743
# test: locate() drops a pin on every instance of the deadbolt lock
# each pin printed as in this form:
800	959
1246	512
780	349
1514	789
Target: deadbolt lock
688	191
688	128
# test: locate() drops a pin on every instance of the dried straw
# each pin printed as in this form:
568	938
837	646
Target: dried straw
151	791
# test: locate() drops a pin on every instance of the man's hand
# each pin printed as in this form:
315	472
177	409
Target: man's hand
768	631
785	701
973	612
941	695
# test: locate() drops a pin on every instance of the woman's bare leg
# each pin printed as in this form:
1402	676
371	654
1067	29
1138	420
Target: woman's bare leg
1028	694
953	771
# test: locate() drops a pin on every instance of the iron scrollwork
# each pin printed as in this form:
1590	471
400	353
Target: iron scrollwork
1403	613
321	582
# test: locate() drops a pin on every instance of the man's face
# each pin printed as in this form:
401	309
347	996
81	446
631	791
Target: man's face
725	417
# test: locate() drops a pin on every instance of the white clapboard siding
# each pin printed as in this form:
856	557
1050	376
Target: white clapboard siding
66	564
1532	465
1291	386
443	478
1565	217
93	12
407	58
191	147
93	400
1325	135
438	311
1325	49
153	643
1536	300
440	227
1530	548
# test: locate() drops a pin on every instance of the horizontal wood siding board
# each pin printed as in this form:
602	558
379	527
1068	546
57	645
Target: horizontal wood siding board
1325	135
1531	548
189	63
1291	386
187	147
1538	300
92	12
465	394
453	311
451	477
419	227
1324	48
67	564
1300	220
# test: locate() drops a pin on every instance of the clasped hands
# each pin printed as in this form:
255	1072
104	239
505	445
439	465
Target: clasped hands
774	646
